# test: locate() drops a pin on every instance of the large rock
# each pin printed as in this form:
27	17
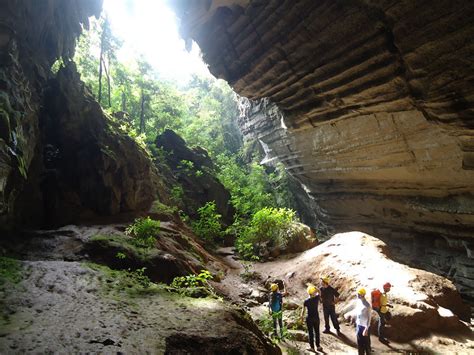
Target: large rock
423	302
198	181
33	35
367	103
94	169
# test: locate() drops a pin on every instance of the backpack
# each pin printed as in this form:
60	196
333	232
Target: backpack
375	298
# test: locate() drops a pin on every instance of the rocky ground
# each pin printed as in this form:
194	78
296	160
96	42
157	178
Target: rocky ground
423	321
55	301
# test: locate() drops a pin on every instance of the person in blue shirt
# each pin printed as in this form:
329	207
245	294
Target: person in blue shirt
275	308
312	319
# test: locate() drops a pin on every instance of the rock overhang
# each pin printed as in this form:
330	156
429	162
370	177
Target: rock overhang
377	104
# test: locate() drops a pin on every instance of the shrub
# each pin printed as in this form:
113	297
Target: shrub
144	231
208	227
267	226
177	194
159	207
10	270
193	285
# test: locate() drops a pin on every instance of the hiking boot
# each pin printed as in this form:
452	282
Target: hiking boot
383	340
326	331
311	349
319	348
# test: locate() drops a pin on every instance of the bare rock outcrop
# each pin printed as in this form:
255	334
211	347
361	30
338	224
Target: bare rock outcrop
62	160
423	302
194	171
367	103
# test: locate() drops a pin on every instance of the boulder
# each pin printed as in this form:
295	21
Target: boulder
423	302
193	170
90	168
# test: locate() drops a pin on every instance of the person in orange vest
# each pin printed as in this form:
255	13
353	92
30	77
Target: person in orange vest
380	305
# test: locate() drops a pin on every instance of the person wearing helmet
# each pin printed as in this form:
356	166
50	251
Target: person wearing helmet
329	297
363	314
383	313
312	319
275	308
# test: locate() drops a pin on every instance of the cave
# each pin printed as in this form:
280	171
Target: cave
369	107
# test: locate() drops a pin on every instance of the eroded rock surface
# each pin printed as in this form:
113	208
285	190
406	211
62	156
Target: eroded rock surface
367	103
67	307
33	34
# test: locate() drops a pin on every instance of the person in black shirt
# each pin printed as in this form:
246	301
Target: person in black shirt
312	320
329	297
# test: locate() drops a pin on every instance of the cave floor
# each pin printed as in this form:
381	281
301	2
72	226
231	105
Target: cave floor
250	295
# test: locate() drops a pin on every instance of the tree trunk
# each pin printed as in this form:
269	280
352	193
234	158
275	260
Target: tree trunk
102	40
108	80
142	113
124	101
107	74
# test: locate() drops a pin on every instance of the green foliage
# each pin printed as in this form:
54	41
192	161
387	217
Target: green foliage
208	227
177	194
193	285
139	277
269	225
144	231
10	271
249	186
120	255
159	207
130	281
265	323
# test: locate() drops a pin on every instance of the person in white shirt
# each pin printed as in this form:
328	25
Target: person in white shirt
363	312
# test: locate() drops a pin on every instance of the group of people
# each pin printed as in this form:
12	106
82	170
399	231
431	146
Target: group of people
328	296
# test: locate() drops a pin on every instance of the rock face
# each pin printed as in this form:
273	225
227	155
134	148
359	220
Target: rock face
99	169
61	158
369	104
192	169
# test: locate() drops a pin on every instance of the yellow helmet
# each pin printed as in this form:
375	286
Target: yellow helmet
361	291
312	290
325	279
273	287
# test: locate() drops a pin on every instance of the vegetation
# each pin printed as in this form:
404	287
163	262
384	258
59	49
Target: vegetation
208	227
193	285
269	225
132	282
159	207
10	271
144	231
204	112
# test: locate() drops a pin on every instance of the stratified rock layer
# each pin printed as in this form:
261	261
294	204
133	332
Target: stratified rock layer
369	104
